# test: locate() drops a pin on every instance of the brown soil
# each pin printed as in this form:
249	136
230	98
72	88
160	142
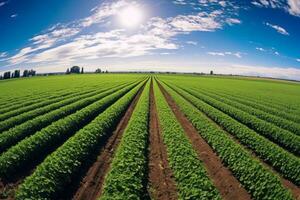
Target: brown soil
7	191
91	186
295	190
228	186
161	182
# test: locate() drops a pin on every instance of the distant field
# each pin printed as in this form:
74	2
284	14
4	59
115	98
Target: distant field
142	136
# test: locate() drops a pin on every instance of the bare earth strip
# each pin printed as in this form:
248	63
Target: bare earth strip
161	181
91	186
228	186
286	183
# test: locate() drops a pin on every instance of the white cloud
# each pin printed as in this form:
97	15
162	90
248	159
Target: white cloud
232	21
180	2
3	54
216	53
276	53
294	7
200	22
3	3
260	49
275	72
298	59
192	43
278	29
237	54
290	6
67	41
222	3
109	44
14	15
269	3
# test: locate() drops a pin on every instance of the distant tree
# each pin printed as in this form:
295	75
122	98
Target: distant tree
17	74
98	70
106	71
1	77
68	71
31	72
6	75
75	70
211	73
25	73
82	70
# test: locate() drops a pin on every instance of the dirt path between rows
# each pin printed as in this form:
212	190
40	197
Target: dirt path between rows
286	183
295	190
161	181
91	185
228	186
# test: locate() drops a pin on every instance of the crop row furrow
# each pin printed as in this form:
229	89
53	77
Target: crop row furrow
128	169
284	162
284	138
38	105
16	120
278	121
190	174
14	135
59	168
258	180
293	118
42	142
15	105
289	110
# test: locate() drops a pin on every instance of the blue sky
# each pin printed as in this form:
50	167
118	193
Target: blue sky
255	37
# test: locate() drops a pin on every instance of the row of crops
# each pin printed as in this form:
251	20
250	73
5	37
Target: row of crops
51	138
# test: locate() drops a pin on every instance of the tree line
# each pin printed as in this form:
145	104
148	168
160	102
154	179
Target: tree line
17	74
78	70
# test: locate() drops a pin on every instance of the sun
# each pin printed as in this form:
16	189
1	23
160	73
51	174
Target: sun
131	16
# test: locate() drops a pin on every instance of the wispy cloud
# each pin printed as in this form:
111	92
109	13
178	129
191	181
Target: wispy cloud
3	54
69	42
192	43
279	29
14	15
3	3
290	6
294	7
233	21
260	49
237	54
298	59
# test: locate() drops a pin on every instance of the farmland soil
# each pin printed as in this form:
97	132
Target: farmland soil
286	183
228	186
161	181
295	190
91	186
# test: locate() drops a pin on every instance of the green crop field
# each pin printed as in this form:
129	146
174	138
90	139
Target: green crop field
149	136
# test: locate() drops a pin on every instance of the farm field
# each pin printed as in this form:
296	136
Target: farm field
149	136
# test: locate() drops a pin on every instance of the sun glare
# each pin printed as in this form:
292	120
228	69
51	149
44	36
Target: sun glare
131	16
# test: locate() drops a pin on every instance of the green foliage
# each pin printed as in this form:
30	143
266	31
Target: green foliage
39	144
17	133
262	105
284	138
258	180
128	169
17	117
60	167
190	174
275	117
284	162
